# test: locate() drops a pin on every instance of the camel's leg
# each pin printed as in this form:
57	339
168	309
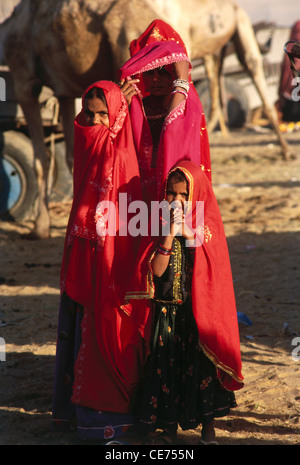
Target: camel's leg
212	68
250	56
223	102
67	111
31	111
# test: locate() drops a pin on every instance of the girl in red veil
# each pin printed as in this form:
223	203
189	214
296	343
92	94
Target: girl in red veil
182	300
167	116
99	350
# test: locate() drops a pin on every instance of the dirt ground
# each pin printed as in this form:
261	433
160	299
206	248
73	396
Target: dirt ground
258	194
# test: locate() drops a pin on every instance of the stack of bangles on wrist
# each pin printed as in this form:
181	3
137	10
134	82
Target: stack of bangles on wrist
184	87
163	250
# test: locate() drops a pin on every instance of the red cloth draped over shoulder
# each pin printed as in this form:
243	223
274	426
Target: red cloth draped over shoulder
213	297
97	263
184	134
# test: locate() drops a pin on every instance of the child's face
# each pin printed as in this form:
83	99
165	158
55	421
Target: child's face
177	191
96	112
158	81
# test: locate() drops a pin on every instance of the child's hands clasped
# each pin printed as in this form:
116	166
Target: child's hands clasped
178	226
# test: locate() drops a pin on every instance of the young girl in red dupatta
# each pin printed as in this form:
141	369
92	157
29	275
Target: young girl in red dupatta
167	116
99	350
182	300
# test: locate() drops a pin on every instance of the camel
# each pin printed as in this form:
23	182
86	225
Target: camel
67	44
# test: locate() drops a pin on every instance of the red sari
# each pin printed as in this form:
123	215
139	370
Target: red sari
184	134
96	264
213	300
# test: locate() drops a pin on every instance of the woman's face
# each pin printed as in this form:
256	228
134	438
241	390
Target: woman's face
96	112
158	81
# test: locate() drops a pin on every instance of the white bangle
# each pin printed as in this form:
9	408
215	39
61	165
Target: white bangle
180	92
181	83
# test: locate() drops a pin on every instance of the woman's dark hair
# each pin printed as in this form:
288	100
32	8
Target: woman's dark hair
95	92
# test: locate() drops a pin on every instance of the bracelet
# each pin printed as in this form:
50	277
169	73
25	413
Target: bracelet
180	92
163	250
181	83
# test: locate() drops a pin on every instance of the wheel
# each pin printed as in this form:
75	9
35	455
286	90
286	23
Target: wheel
18	185
236	99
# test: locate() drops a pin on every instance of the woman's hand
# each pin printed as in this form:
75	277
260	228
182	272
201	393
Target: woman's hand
128	89
181	69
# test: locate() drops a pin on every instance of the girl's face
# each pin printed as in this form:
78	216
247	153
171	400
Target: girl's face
158	81
177	191
96	112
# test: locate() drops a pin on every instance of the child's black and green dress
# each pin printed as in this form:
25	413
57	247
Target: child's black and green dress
181	387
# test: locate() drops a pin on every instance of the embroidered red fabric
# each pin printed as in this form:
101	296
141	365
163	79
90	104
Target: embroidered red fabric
97	264
213	297
184	134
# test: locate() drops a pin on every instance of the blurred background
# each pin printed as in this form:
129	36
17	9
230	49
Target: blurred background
272	22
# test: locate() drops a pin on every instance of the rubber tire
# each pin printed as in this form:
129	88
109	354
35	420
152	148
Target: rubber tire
17	149
237	102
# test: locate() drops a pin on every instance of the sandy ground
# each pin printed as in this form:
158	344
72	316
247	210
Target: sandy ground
258	194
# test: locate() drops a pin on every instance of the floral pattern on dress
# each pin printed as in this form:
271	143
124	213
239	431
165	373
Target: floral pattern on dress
181	385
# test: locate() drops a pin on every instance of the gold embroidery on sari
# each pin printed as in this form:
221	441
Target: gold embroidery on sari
204	169
219	365
207	234
177	294
157	35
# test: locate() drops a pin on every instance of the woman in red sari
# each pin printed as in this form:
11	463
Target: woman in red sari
167	116
182	299
99	350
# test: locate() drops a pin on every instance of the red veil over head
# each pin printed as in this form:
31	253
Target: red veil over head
157	31
184	134
105	165
97	263
213	297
